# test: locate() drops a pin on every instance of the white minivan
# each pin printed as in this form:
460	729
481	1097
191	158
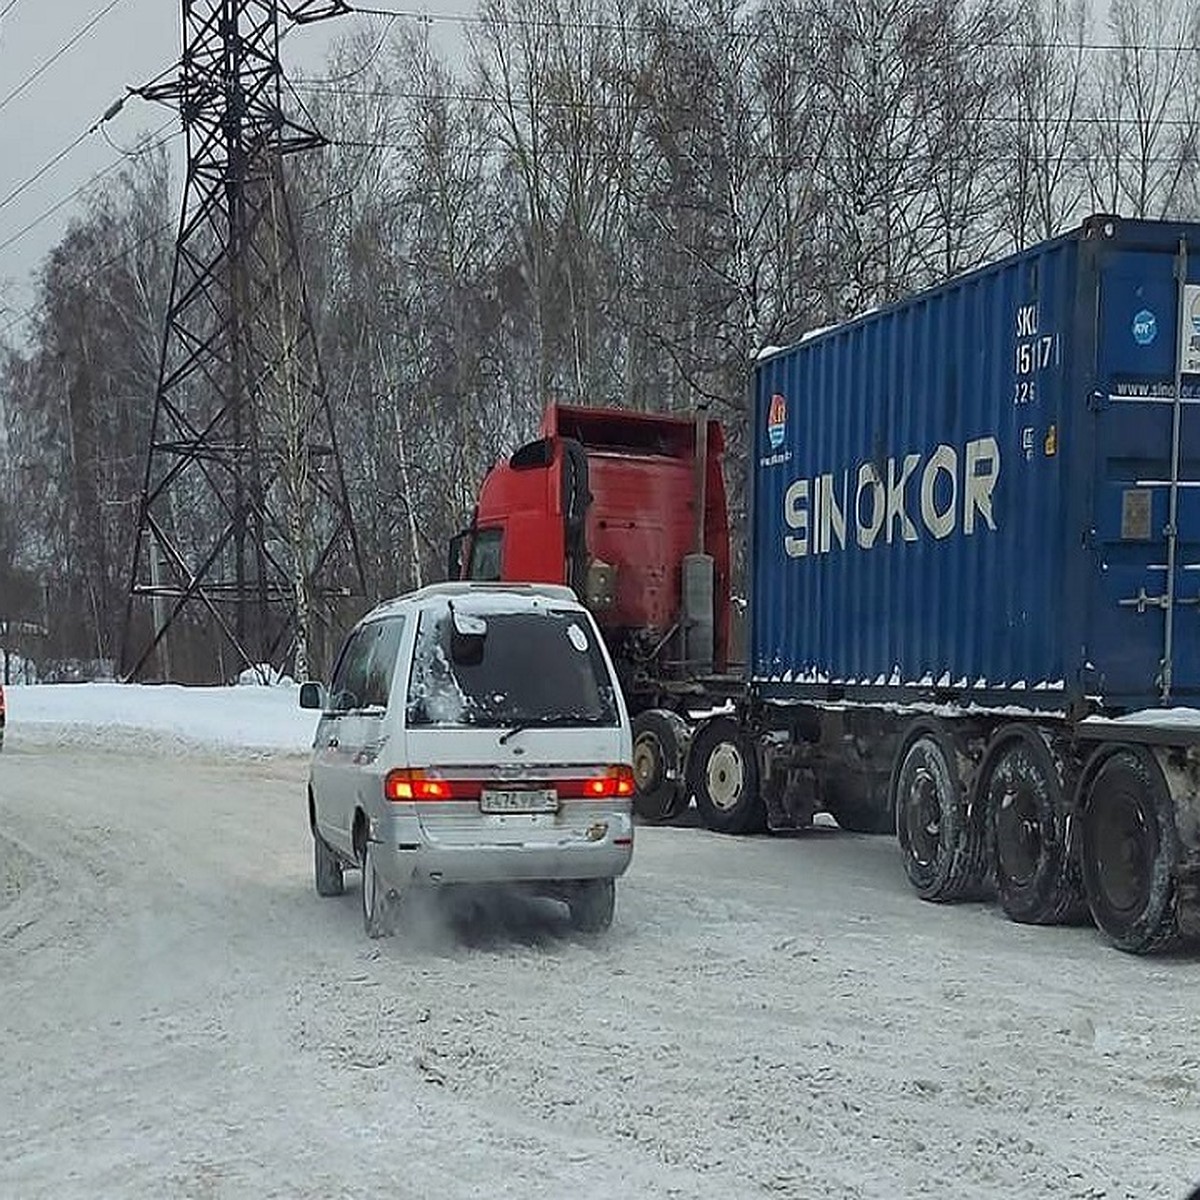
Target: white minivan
473	733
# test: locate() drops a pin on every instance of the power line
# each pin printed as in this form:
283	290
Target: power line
157	232
796	161
508	22
90	183
23	187
366	63
40	71
109	113
411	15
1014	119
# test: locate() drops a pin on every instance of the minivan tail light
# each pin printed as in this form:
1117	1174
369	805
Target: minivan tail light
409	783
613	782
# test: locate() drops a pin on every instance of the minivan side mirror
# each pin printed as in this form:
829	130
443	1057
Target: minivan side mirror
312	695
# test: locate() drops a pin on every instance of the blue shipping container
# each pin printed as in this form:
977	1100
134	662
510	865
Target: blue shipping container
969	495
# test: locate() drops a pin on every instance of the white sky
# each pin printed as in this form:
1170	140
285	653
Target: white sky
129	45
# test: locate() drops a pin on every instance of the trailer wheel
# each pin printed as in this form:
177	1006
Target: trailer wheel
943	847
660	740
1130	848
723	776
1037	872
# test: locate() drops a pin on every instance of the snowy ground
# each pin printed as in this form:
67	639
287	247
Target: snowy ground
180	1015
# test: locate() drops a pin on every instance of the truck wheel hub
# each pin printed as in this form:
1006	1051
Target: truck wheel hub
647	763
725	776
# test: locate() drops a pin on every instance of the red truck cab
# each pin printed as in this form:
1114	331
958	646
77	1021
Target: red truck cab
628	509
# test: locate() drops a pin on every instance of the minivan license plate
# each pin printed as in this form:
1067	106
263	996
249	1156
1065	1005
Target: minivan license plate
518	800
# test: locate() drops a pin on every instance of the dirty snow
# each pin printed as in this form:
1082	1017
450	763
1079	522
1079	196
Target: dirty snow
181	1016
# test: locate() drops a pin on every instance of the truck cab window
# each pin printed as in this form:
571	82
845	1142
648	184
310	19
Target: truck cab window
486	549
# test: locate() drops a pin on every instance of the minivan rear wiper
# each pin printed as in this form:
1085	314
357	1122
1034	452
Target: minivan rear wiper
557	721
519	727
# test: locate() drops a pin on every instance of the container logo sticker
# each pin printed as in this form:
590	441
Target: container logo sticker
777	420
1189	349
1145	327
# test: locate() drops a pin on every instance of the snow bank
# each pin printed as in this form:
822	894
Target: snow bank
1170	718
259	717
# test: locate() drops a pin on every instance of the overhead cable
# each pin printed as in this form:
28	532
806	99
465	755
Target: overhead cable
40	71
46	214
742	32
23	187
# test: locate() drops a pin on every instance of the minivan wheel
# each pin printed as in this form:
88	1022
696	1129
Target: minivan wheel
327	868
592	904
378	903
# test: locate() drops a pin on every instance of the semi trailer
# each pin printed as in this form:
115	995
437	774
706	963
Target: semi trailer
972	565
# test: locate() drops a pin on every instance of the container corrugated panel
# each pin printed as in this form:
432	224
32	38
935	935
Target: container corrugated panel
967	496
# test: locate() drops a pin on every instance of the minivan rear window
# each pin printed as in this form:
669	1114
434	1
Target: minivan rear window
534	668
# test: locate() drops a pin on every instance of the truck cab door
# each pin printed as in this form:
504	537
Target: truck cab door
519	534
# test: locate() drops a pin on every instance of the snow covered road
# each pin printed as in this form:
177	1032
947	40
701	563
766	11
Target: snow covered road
180	1015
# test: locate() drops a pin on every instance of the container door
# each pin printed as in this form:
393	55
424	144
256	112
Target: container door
1142	641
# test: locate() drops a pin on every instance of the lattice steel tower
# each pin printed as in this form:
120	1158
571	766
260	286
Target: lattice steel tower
245	539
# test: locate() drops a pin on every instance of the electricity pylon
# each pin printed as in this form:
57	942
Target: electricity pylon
245	538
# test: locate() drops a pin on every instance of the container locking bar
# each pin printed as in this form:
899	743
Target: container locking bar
1172	530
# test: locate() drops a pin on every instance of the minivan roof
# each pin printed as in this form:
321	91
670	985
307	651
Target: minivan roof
473	589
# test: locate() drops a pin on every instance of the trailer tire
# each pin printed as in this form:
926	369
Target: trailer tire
1036	866
723	775
941	841
1129	850
660	739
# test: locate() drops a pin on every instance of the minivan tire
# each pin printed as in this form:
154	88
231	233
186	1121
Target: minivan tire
592	905
327	868
379	905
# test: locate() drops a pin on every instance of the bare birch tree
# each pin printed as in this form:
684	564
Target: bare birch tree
1045	137
1144	148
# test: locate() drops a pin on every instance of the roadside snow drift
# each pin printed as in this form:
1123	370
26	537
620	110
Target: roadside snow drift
268	718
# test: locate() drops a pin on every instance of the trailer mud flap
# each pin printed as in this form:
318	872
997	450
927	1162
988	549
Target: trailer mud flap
791	798
1187	900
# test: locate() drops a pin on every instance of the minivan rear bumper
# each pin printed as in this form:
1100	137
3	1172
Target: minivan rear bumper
407	855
